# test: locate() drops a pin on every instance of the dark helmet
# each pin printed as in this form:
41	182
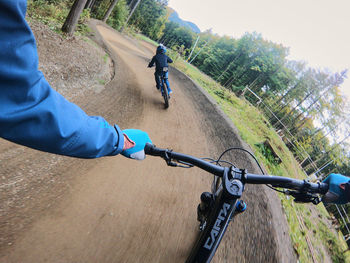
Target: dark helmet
161	49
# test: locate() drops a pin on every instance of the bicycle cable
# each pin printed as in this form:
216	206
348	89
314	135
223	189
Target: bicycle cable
256	160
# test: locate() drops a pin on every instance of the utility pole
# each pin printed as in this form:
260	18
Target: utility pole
195	44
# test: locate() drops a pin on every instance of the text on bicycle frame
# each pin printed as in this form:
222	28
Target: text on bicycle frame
217	226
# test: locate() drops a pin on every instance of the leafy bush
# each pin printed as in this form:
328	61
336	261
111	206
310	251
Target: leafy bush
48	11
84	18
267	153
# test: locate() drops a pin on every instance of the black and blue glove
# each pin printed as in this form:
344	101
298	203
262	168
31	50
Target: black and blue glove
339	189
134	144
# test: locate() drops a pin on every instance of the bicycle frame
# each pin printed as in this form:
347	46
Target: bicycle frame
225	208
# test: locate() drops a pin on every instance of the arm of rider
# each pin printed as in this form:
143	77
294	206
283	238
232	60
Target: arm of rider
152	62
339	189
169	60
35	115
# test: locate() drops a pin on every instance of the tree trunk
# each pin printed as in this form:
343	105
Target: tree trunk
295	108
286	94
330	131
229	65
337	143
324	156
89	4
310	106
109	11
132	11
233	78
251	85
132	4
301	123
73	17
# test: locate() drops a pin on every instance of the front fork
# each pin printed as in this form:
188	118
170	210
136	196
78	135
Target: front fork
207	203
208	199
215	215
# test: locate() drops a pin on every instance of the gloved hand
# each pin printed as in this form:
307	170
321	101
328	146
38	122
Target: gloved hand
339	189
134	144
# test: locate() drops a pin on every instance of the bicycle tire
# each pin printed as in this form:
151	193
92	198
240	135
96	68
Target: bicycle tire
165	94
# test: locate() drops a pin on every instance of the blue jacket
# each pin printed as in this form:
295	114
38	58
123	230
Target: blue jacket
31	112
161	61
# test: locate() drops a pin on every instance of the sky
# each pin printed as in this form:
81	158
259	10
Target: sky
316	31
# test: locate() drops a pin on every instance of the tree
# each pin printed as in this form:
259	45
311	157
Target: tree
119	15
109	11
131	12
149	18
73	16
89	4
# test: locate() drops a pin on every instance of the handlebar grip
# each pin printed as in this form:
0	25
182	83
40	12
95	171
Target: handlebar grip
324	188
151	149
148	148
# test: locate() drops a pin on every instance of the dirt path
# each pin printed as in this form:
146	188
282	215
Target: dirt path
119	210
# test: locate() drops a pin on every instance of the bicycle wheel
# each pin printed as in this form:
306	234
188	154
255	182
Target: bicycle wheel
165	94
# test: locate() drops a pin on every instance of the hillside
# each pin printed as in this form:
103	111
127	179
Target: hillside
174	17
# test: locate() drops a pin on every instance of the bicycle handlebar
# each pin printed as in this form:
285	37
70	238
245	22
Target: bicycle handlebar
286	182
277	181
166	154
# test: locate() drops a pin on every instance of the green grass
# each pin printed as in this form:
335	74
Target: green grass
105	58
333	243
146	39
101	81
254	129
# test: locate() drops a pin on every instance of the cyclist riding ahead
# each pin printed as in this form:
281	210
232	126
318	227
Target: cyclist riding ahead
161	60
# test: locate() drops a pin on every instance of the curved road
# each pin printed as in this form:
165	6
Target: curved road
119	210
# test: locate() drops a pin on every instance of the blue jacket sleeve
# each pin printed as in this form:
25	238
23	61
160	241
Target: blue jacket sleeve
31	112
152	62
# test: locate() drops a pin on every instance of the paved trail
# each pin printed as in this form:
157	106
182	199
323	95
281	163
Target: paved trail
119	210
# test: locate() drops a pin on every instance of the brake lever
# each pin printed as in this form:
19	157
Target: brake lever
173	164
300	197
168	160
